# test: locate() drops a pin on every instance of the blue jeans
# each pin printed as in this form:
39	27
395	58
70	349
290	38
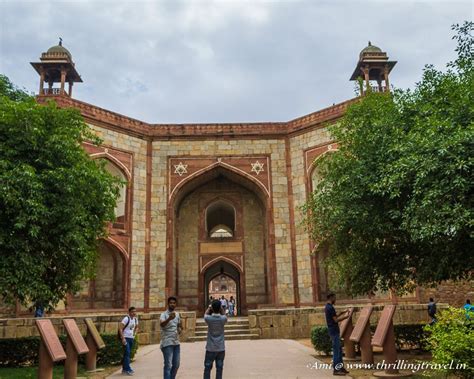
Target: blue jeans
127	351
336	350
171	361
212	356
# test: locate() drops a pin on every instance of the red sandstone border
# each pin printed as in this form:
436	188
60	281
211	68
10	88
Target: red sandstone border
258	130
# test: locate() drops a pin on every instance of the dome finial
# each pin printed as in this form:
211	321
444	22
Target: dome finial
370	43
60	41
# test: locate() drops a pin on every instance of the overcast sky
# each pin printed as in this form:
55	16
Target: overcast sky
224	61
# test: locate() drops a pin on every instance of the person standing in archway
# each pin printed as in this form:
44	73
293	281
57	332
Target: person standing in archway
224	303
231	306
215	319
171	327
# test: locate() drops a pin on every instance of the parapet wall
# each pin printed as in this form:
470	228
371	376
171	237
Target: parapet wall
268	323
149	326
297	322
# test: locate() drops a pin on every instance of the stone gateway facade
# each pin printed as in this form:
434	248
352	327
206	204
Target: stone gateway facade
203	201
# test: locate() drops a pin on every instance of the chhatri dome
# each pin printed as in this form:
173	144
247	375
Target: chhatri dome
370	49
56	66
59	49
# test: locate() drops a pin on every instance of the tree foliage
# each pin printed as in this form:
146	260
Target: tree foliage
395	203
451	342
54	200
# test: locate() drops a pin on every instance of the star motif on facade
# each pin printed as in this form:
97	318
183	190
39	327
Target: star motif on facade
257	167
180	169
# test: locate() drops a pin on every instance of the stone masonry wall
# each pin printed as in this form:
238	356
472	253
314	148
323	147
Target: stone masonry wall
297	322
138	147
454	293
253	221
298	171
187	250
149	326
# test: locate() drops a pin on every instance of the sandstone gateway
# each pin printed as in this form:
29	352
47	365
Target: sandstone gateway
211	201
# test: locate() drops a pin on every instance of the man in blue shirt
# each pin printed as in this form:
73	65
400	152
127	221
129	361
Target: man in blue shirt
332	321
469	309
215	319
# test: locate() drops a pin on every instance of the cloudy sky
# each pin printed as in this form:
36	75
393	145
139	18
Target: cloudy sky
224	61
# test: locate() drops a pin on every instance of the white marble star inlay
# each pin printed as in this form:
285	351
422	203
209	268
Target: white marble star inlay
257	167
180	169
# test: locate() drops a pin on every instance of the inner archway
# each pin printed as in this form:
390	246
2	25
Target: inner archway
107	289
222	279
221	216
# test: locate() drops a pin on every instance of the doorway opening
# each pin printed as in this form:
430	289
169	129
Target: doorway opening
223	279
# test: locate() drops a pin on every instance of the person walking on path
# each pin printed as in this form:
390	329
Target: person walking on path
332	321
127	331
231	306
171	327
469	309
215	319
432	311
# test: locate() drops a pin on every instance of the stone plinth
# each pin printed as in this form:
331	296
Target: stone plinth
297	322
149	326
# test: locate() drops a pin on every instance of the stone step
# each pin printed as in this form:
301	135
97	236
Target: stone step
227	338
226	332
226	327
229	322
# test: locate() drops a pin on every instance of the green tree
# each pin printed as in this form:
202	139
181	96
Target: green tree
451	341
395	203
54	200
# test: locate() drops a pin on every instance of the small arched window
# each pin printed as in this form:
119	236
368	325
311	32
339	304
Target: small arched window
220	220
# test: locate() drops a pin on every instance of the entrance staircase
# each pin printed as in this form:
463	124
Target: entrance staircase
236	328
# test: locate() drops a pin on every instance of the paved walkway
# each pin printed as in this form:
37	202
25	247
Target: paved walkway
274	359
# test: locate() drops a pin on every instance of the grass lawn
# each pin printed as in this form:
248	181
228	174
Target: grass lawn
32	373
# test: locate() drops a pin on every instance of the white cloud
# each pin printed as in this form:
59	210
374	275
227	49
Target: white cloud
224	61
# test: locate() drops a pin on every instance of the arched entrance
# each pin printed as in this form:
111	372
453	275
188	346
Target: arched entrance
229	276
107	289
220	216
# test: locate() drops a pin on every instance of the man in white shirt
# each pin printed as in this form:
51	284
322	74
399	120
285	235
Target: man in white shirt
128	329
170	323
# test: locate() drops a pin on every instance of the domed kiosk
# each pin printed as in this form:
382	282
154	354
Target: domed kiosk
373	65
56	66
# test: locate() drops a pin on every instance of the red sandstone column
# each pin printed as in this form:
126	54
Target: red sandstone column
387	84
41	89
366	75
63	81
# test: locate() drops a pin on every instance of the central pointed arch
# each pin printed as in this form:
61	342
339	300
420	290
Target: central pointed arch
223	267
192	183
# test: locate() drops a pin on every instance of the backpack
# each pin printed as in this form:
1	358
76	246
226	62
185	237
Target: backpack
119	337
